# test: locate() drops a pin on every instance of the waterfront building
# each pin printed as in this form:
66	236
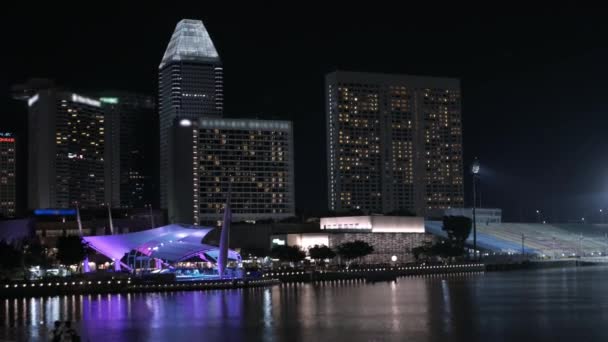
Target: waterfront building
132	149
8	157
190	87
66	142
249	161
394	143
392	237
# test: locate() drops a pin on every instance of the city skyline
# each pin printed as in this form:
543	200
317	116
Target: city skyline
521	95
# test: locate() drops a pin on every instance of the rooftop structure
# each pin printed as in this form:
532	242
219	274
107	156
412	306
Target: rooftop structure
190	42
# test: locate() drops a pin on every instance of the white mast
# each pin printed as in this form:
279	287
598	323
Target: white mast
110	219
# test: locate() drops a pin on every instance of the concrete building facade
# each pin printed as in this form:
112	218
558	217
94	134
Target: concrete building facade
394	142
8	171
66	145
251	160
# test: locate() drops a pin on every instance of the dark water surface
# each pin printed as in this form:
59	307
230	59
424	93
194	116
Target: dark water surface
569	304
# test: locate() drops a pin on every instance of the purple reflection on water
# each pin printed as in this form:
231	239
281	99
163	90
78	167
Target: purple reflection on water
547	305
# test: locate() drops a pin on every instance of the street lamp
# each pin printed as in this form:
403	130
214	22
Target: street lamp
601	215
537	215
475	170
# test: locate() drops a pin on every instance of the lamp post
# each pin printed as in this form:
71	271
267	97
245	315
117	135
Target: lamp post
475	171
601	215
538	216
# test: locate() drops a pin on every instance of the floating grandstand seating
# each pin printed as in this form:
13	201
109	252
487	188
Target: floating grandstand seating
542	239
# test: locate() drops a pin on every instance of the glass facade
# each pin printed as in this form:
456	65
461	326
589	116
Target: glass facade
131	149
190	86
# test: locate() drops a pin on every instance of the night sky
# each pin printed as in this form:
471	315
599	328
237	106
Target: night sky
534	87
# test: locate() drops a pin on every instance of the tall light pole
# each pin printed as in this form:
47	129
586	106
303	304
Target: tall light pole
538	216
475	170
601	215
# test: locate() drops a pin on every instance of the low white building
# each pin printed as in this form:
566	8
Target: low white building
389	235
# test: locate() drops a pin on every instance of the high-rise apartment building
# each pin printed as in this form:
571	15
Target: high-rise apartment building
131	152
394	142
190	86
249	160
8	147
66	143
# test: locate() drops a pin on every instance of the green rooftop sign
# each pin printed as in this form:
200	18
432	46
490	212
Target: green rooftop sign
111	100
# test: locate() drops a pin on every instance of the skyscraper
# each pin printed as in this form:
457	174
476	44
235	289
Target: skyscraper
131	152
65	149
249	160
394	142
8	164
190	85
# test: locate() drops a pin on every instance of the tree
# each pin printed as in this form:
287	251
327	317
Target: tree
458	229
321	252
34	253
71	249
288	253
10	256
354	249
443	249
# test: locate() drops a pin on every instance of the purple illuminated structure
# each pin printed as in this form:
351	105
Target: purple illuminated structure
167	245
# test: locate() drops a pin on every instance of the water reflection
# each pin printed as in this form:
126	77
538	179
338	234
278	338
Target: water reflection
545	305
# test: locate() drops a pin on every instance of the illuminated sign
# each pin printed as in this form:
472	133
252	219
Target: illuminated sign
9	140
110	100
375	224
32	100
85	100
55	212
185	123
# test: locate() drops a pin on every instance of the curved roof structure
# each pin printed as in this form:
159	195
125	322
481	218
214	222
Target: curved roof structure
171	243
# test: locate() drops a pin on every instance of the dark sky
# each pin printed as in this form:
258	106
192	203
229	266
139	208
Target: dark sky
534	86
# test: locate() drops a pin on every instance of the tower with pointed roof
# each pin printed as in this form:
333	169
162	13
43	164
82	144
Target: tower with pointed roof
190	87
